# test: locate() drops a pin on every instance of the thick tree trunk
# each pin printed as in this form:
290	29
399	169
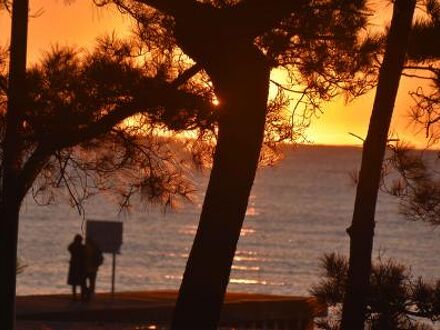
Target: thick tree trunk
362	228
9	234
242	84
11	163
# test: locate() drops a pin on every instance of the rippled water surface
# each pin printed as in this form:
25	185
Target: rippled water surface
298	210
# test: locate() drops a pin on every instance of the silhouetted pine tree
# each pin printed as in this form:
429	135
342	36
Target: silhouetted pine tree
237	43
66	132
12	150
361	231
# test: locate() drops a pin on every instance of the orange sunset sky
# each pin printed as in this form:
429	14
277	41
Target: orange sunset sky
80	22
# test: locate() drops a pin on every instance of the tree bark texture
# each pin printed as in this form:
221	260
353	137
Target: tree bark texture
11	163
242	84
361	231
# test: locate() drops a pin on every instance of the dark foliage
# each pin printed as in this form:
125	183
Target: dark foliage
396	299
74	134
409	174
98	119
424	44
424	56
318	46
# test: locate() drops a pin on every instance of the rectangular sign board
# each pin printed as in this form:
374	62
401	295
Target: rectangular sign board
107	235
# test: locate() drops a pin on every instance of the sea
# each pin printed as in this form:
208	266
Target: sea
299	210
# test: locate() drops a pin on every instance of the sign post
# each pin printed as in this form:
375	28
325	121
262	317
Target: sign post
113	273
107	235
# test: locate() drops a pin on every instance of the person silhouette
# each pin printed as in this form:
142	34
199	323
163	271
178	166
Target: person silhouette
93	259
76	273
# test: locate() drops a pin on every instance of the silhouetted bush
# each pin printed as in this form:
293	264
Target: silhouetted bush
396	301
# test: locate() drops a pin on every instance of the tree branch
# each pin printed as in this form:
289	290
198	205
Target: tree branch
186	75
164	96
411	75
281	86
430	68
103	125
3	84
32	168
174	8
259	16
249	18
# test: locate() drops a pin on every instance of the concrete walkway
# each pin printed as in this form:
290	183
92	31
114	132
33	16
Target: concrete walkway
155	307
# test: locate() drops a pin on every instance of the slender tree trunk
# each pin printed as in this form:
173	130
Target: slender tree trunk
243	87
10	193
361	231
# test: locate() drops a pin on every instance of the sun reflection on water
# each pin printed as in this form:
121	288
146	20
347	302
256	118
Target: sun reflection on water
191	230
247	231
246	268
241	258
252	211
255	282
